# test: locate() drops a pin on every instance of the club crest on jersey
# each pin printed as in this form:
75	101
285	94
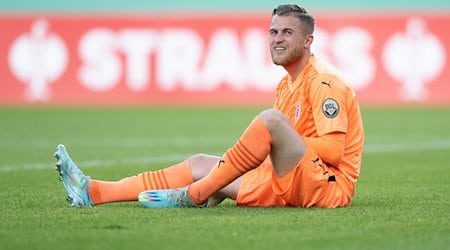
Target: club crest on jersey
330	108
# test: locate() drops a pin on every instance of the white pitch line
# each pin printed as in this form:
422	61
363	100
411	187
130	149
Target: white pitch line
368	149
99	163
179	142
407	146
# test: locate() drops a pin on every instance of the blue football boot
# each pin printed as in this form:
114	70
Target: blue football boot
167	198
75	182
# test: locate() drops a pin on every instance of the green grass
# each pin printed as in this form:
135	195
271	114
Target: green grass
402	199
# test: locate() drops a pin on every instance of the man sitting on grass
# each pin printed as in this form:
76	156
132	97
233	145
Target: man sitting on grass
304	152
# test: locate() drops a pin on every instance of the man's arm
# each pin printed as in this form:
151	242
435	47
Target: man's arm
330	147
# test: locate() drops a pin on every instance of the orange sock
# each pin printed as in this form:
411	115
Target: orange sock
248	153
128	189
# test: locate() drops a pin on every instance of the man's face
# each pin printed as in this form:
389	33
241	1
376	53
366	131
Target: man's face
286	40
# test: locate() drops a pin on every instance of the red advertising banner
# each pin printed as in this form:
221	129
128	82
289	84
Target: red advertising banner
213	59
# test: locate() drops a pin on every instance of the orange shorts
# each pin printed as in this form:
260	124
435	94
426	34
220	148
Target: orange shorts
310	184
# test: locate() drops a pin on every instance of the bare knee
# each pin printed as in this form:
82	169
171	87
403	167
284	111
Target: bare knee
202	164
287	146
203	159
272	118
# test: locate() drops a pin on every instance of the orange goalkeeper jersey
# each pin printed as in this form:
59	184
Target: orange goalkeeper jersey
319	102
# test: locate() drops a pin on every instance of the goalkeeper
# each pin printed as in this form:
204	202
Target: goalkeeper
304	152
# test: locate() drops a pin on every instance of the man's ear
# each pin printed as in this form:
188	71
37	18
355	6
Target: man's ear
308	41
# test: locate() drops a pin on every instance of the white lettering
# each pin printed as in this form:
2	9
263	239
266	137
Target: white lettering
239	62
101	67
181	60
179	53
349	50
352	49
223	63
321	44
137	46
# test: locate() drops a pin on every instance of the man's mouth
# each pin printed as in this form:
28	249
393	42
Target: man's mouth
279	48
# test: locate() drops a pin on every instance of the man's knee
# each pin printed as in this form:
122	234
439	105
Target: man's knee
202	164
272	118
203	160
287	145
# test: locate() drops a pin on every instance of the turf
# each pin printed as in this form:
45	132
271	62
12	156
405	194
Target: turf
402	199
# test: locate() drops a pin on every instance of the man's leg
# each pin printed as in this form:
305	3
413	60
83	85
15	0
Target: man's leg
287	146
199	171
128	189
269	133
82	191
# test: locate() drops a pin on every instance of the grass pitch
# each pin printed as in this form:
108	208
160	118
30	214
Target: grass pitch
402	199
